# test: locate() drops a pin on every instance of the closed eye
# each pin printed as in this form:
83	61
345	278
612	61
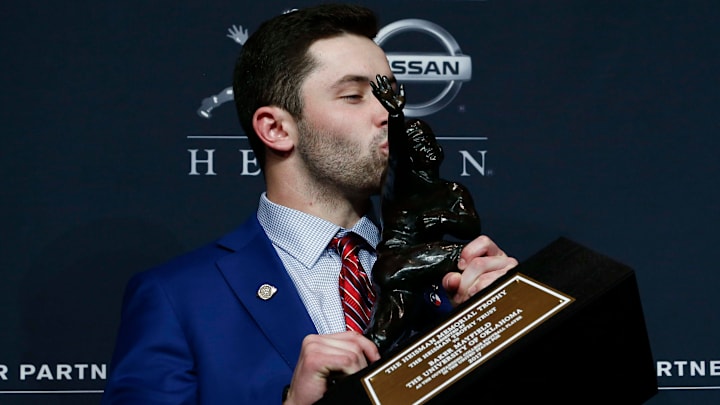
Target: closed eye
353	97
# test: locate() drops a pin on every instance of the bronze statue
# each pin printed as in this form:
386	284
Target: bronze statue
418	210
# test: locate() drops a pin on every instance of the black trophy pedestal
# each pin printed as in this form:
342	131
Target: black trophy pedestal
595	350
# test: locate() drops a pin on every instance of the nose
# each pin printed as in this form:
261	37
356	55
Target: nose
380	114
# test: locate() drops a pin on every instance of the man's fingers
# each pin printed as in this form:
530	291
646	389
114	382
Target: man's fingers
478	247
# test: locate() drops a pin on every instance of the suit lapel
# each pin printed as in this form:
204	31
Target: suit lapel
283	317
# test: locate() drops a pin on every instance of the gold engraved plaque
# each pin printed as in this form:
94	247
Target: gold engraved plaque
464	342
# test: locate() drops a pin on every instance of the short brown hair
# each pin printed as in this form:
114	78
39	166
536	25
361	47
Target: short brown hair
274	61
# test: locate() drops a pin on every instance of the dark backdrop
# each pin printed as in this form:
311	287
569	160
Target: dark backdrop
592	120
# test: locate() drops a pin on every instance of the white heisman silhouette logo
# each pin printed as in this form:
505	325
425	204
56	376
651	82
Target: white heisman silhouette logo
237	34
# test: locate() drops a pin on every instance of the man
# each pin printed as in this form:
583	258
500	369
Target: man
240	319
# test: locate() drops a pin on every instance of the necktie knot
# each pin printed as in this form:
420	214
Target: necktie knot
347	245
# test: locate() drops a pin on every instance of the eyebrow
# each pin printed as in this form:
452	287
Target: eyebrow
358	79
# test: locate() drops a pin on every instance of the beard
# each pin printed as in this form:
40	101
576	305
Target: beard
338	163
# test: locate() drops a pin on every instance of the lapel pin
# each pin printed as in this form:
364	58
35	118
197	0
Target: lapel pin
266	291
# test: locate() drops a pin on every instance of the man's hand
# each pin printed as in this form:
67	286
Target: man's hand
481	262
324	355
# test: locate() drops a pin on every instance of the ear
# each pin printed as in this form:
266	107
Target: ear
275	127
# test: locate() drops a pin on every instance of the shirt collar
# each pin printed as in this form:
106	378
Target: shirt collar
305	236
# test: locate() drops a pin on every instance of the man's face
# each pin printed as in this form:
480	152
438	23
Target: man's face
343	129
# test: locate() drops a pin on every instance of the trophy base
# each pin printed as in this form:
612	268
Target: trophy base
565	326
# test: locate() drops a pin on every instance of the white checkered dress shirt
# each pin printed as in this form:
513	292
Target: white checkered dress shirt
301	240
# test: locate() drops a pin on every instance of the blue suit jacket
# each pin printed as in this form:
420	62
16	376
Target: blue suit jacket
194	331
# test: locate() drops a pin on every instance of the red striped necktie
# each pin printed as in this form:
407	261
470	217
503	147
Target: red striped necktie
356	292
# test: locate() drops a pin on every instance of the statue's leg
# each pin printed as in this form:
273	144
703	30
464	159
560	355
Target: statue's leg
402	276
390	318
417	265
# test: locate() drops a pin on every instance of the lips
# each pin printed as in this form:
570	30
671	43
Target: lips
384	146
